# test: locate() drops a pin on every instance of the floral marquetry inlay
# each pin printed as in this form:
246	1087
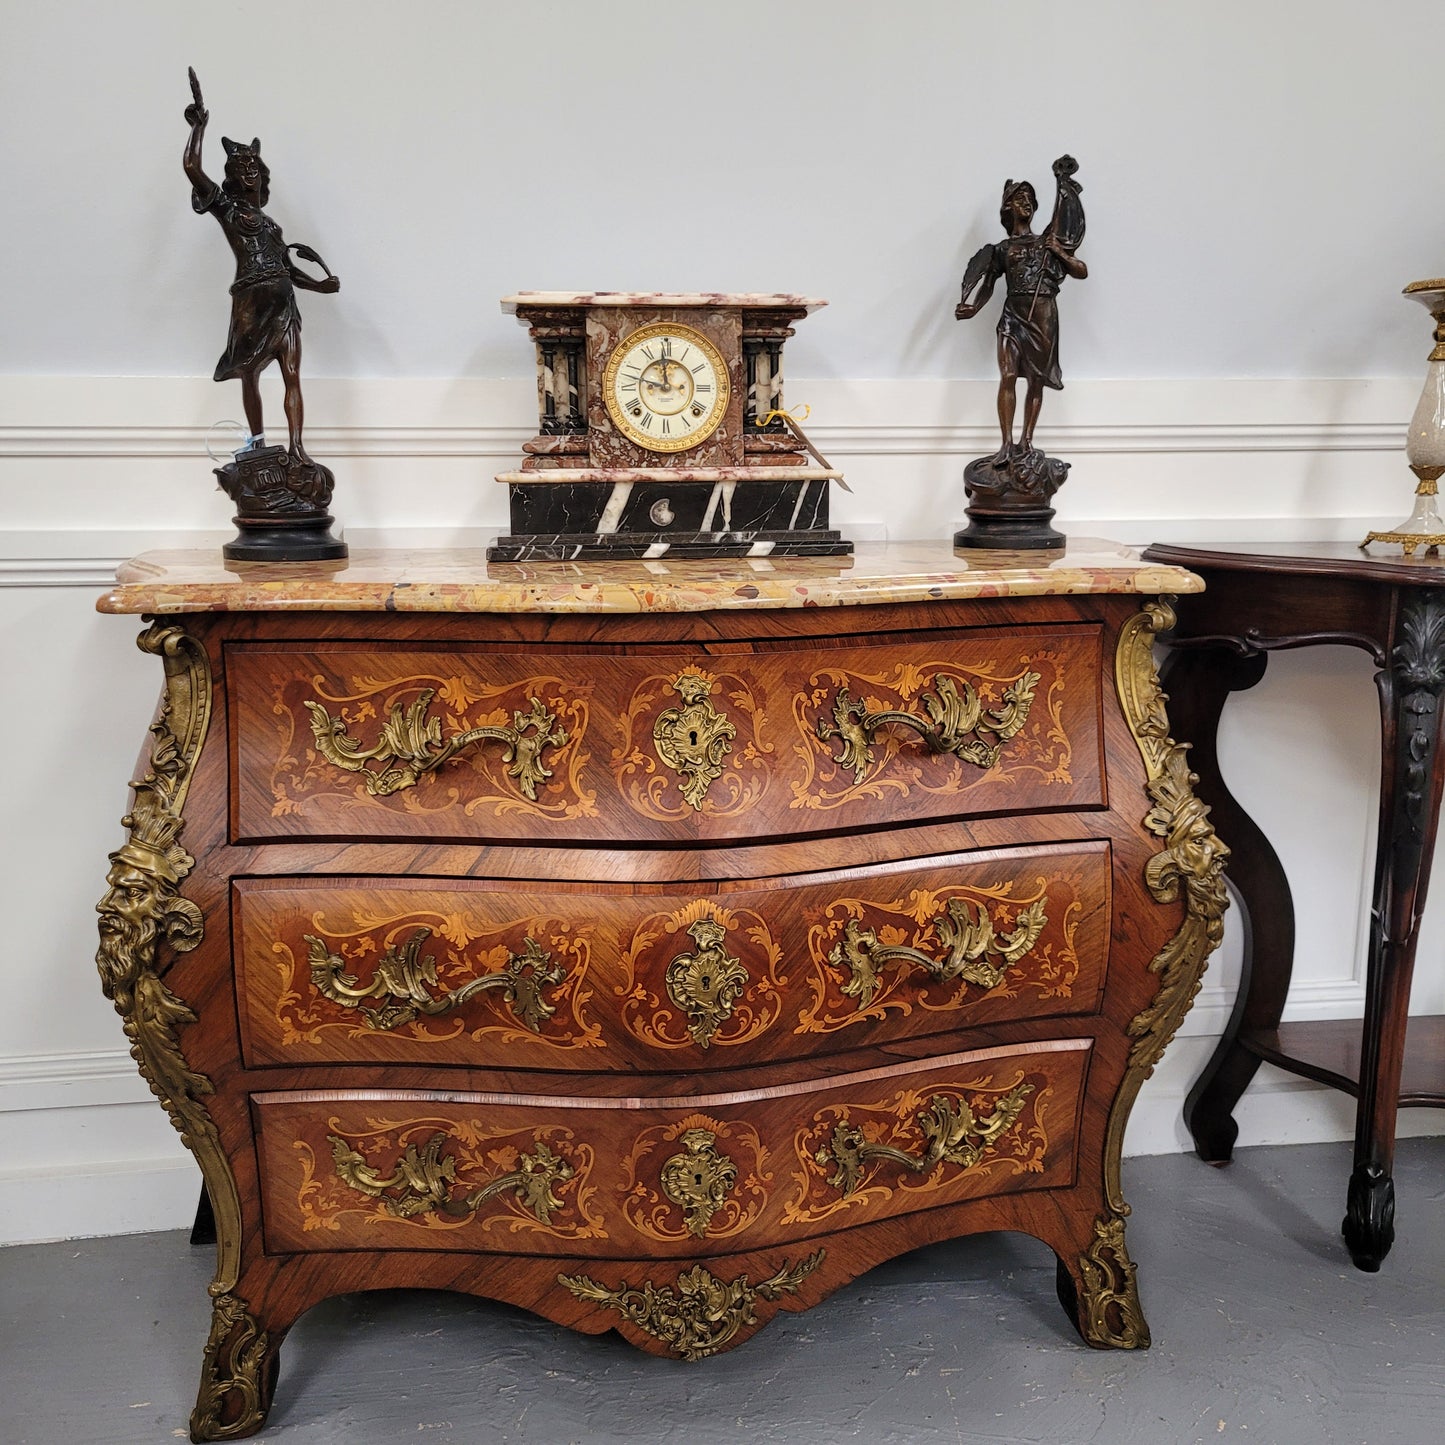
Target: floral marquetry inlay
928	727
432	977
693	742
919	1143
445	1173
428	742
695	1178
943	949
701	976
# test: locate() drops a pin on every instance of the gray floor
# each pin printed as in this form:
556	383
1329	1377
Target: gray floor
1263	1333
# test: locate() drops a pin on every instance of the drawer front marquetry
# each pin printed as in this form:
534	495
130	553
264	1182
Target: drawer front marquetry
406	743
381	972
487	974
700	1175
413	743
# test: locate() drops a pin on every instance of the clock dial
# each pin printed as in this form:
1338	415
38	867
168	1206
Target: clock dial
666	387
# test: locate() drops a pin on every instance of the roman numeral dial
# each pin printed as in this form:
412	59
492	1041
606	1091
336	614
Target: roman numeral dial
666	387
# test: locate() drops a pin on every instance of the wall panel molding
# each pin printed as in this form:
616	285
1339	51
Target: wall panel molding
114	443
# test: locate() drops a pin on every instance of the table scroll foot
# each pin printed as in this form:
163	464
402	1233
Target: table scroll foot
1369	1224
1209	1109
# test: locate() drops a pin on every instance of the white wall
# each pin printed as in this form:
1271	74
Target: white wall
1260	184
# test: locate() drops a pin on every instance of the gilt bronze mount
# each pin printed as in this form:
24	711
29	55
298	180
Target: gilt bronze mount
974	952
699	1179
704	1314
952	1134
706	983
694	739
957	722
421	1181
404	977
410	745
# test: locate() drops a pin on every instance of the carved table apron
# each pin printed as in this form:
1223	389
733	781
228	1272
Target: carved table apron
653	950
1261	600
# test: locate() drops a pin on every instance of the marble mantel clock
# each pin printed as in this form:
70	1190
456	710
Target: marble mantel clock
661	431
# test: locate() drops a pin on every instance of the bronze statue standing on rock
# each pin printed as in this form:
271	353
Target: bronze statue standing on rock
1009	491
281	495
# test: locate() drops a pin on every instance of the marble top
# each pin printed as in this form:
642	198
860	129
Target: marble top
457	580
745	300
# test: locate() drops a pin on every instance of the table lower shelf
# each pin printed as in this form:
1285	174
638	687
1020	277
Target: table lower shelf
1328	1051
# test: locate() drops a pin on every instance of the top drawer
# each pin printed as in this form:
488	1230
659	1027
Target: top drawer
413	742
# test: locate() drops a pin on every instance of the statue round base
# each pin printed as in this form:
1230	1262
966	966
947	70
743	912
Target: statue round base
1008	503
303	540
1013	531
281	502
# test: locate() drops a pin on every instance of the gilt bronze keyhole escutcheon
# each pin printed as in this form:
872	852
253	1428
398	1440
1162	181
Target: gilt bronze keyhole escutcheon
699	1179
694	739
706	983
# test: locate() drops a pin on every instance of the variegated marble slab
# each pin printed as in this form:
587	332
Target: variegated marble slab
462	580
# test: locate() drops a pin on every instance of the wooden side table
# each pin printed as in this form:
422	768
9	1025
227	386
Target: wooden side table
1260	600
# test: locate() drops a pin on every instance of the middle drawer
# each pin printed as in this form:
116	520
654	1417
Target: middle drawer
485	974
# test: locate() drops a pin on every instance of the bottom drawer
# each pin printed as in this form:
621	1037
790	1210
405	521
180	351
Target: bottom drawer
696	1175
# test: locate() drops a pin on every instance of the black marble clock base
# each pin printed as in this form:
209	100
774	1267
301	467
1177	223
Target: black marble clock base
565	521
570	547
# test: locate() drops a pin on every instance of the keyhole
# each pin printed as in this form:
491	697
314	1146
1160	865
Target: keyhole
697	1178
692	737
707	980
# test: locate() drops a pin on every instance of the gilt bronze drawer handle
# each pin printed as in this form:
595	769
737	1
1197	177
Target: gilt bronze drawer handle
703	1315
422	1181
403	976
975	953
952	1134
957	722
706	984
693	739
699	1179
411	745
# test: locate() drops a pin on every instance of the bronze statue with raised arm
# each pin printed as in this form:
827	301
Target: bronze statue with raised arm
1009	492
281	494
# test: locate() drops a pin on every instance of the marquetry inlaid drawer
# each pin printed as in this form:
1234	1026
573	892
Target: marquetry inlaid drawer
699	1175
597	978
409	742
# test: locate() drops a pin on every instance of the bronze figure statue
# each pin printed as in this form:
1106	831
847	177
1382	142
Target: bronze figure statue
281	494
1009	491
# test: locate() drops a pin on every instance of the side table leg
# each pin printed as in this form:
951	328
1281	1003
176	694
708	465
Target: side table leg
1411	778
1199	681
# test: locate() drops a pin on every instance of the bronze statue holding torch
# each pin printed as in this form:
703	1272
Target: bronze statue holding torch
1008	492
281	494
